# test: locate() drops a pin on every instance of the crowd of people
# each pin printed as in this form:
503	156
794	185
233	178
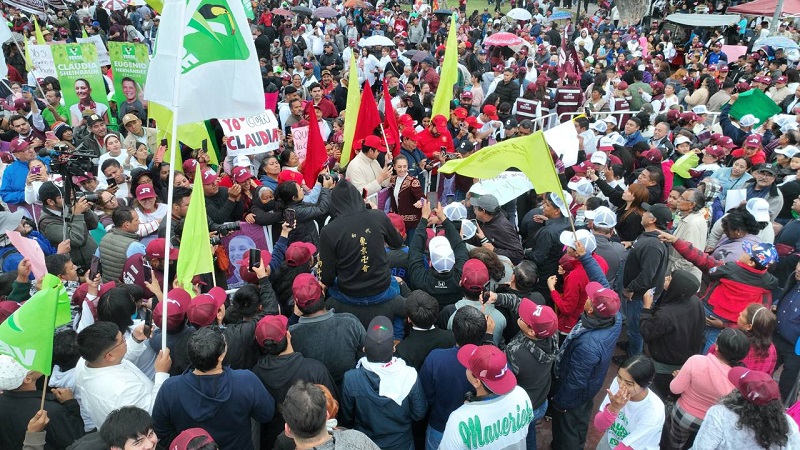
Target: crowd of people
395	307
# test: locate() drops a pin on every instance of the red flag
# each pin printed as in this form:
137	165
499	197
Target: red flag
316	156
368	118
390	121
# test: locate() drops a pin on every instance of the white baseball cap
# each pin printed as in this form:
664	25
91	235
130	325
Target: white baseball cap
241	161
759	208
582	186
586	238
468	229
455	211
599	158
748	120
442	256
599	126
602	217
682	140
789	151
556	200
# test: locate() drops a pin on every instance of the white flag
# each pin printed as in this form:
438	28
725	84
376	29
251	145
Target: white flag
564	141
205	64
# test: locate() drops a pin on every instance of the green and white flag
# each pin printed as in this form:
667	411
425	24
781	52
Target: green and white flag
27	335
205	64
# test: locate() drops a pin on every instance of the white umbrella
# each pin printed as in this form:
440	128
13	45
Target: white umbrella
519	14
372	41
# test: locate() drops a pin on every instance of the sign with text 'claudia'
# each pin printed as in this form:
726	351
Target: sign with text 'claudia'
251	135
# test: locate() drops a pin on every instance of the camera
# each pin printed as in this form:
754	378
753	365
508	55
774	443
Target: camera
67	162
322	177
450	156
226	228
215	240
91	198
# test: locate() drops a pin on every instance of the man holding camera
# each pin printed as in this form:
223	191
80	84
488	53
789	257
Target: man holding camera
78	224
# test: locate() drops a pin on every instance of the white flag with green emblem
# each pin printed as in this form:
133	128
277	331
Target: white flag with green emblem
205	64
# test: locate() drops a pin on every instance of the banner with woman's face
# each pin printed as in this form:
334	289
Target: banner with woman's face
82	84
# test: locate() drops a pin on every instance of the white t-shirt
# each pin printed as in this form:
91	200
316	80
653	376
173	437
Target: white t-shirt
500	423
638	424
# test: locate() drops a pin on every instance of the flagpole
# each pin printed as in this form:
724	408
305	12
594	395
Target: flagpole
44	391
173	146
385	141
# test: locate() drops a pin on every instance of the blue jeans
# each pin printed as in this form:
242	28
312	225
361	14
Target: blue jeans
631	309
433	438
711	332
538	413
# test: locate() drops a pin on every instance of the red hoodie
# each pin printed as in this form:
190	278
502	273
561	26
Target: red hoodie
570	303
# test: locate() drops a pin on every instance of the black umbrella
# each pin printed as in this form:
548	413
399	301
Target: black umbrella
302	10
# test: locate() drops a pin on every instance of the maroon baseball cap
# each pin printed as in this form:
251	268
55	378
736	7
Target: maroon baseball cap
271	328
308	65
157	248
541	319
7	308
622	86
491	111
241	174
724	69
466	94
783	79
474	275
756	387
653	155
753	140
209	177
605	302
177	301
204	308
673	114
726	142
80	294
488	364
145	191
189	166
299	253
182	441
715	151
244	266
18	144
306	290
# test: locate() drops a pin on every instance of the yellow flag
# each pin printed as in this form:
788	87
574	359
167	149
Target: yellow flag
448	75
351	111
28	59
83	33
194	258
191	134
157	5
530	154
37	30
